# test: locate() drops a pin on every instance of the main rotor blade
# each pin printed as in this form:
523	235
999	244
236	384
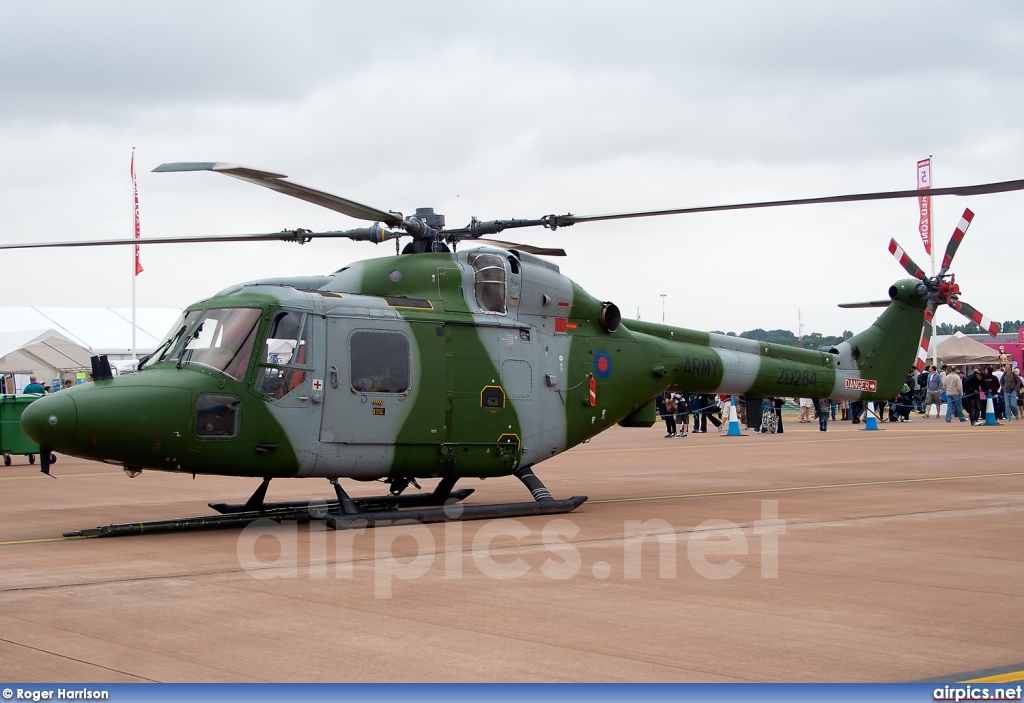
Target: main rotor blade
905	260
300	236
275	182
975	316
867	304
954	241
528	248
554	221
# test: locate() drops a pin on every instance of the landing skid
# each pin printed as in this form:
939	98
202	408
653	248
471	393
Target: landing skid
203	522
543	504
372	504
347	513
468	512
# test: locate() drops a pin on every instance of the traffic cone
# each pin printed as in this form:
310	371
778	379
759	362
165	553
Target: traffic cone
990	412
734	421
871	422
942	411
935	407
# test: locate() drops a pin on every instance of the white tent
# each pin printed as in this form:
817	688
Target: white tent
45	353
960	349
105	330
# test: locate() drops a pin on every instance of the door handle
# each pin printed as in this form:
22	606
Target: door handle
334	377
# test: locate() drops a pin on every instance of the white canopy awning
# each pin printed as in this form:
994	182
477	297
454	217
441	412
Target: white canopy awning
45	353
960	350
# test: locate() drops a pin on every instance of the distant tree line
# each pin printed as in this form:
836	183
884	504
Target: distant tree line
816	340
971	328
813	340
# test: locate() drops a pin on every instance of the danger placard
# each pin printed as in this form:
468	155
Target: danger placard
862	384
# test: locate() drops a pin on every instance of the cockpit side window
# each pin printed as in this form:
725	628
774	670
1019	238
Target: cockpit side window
380	362
489	280
284	361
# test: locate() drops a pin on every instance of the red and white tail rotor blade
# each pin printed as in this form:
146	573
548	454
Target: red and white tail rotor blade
905	260
926	338
976	317
954	241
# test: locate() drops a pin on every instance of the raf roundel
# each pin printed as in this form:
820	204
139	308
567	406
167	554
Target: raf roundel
602	364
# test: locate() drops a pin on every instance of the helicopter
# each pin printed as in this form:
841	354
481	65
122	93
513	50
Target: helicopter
439	363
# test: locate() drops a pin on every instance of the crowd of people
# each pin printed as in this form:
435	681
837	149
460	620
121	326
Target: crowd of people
677	409
962	391
34	387
940	392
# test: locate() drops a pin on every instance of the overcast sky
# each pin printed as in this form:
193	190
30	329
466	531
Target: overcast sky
518	110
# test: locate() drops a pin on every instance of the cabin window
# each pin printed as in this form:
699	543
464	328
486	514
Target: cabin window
284	355
217	415
381	362
488	281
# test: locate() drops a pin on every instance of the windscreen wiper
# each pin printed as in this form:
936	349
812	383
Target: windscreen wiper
144	360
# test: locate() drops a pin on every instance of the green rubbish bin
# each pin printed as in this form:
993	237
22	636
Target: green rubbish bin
12	438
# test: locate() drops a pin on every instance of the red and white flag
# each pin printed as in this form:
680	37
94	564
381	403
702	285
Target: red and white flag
924	182
138	229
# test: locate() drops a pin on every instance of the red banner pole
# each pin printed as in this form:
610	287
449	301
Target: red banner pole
136	266
924	182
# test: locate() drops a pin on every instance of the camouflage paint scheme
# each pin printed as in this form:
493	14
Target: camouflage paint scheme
488	391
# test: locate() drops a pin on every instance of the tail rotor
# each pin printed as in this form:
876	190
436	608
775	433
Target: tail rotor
954	241
905	261
940	290
975	316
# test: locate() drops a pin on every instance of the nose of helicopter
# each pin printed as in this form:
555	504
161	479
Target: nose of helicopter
51	420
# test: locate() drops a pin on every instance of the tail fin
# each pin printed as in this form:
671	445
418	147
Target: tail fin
886	350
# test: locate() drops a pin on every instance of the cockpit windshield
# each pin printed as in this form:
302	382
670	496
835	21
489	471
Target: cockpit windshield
173	340
222	340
